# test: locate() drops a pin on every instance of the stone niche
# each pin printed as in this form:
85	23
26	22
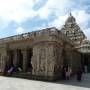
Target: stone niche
46	60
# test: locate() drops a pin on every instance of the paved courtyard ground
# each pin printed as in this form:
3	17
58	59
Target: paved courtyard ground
7	83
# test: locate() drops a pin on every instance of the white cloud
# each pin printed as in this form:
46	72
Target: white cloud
43	13
87	33
20	10
16	10
59	21
56	6
19	30
82	18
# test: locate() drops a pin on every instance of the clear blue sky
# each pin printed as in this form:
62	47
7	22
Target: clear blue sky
20	16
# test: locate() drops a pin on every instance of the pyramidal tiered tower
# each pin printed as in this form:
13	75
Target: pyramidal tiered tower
72	30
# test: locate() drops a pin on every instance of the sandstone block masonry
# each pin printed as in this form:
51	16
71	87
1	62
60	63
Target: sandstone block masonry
38	55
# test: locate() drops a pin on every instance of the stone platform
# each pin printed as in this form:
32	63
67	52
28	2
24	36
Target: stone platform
31	77
7	83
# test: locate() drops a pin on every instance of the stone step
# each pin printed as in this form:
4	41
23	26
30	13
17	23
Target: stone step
32	77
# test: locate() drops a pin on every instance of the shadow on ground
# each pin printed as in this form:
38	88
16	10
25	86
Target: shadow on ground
84	83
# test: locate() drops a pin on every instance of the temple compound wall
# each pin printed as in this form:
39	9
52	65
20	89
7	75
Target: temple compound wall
40	54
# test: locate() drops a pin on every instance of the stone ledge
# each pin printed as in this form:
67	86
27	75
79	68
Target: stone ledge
32	77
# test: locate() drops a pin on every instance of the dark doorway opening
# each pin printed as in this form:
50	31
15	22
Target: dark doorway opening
86	60
85	64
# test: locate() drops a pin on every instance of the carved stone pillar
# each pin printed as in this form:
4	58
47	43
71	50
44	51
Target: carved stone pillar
3	61
46	60
16	58
8	61
25	60
39	60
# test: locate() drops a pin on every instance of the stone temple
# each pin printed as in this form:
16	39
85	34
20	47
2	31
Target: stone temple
42	54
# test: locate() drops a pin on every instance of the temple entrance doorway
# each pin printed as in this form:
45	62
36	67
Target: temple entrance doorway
86	63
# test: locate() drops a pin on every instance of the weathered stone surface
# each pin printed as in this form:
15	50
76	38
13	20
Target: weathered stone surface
41	54
50	53
25	60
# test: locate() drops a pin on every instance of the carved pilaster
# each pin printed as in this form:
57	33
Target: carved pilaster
25	60
16	58
39	60
3	61
4	58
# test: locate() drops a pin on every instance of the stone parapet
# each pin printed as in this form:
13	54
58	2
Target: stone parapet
34	34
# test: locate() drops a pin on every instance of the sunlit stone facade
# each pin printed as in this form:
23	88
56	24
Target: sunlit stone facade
72	30
42	54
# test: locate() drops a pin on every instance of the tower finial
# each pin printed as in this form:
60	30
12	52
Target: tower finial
70	14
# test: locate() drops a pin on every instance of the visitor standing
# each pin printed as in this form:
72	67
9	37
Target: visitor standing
68	72
79	74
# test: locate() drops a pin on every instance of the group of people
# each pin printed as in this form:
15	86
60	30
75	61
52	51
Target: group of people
67	72
10	70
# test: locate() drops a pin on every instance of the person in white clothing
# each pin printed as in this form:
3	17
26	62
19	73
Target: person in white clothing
68	73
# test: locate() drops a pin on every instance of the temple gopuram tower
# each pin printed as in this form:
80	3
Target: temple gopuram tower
72	30
43	54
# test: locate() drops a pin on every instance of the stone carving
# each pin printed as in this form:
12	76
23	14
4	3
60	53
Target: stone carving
42	57
51	51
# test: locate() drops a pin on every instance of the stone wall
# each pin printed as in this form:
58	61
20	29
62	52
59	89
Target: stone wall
50	52
46	60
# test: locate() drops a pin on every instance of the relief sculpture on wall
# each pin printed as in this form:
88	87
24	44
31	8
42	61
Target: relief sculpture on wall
42	57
